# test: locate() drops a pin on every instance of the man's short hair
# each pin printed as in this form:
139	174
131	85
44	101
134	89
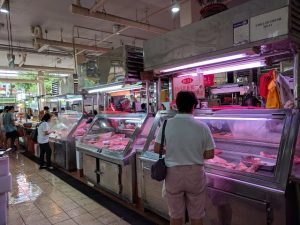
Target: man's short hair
186	101
46	108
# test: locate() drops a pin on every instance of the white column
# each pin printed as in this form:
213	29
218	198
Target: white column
189	12
41	86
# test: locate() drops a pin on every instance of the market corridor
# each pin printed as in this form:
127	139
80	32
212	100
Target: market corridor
40	198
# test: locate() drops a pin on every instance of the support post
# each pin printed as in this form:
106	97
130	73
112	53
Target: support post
296	80
147	96
158	92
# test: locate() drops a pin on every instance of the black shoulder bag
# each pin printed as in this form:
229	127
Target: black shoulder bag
34	133
159	169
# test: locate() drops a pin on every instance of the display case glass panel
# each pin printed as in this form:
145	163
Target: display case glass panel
63	125
113	132
296	159
82	127
247	141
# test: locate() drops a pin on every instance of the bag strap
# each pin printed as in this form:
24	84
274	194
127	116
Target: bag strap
162	140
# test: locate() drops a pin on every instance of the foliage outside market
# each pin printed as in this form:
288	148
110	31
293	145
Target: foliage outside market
32	88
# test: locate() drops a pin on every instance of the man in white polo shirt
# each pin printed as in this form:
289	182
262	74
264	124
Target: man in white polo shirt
188	143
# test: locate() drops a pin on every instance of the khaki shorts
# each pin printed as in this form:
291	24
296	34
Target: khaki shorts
186	188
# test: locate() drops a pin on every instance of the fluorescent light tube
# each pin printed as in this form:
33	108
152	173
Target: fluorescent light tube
234	67
59	74
206	62
188	74
4	11
8	75
127	89
9	71
106	89
230	118
73	99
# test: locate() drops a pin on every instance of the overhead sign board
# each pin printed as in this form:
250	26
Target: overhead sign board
269	25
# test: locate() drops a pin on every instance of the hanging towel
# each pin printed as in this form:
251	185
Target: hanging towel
264	82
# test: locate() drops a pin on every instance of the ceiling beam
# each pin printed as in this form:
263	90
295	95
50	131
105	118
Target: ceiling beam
97	5
33	51
39	68
9	80
118	20
70	45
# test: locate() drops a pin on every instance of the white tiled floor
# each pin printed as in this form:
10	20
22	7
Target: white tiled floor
40	198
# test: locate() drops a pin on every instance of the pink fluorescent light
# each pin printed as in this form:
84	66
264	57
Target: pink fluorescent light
230	118
234	67
189	74
206	62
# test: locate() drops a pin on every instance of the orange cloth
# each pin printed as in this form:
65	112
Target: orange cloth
273	99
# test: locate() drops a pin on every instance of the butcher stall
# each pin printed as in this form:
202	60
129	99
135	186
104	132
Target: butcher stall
249	174
109	148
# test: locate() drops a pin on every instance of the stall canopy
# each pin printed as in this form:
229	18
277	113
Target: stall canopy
247	36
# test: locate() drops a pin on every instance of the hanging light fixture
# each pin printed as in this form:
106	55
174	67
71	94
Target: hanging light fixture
175	6
4	8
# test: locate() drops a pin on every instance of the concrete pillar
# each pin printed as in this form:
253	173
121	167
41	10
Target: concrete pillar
67	85
80	60
189	12
41	85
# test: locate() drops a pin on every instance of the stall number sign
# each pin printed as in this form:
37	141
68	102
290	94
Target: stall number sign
241	32
269	25
189	83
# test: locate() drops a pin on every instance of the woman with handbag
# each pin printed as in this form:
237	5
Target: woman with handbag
188	142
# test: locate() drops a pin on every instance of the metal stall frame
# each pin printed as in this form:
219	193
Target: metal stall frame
161	55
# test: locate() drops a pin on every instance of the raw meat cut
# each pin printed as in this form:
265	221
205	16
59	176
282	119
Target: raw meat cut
129	126
105	135
252	160
118	136
221	162
296	159
241	167
253	168
217	151
81	129
267	155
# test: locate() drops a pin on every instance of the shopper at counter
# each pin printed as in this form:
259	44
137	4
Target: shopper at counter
43	112
3	133
188	143
12	135
43	140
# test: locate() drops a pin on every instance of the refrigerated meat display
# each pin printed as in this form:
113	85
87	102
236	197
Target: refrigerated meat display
247	178
68	127
109	148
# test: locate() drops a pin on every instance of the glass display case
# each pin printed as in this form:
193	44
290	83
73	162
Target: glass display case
109	148
63	140
114	134
246	142
253	157
82	127
64	124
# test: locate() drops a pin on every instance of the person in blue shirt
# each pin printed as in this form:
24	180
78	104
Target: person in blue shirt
10	128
